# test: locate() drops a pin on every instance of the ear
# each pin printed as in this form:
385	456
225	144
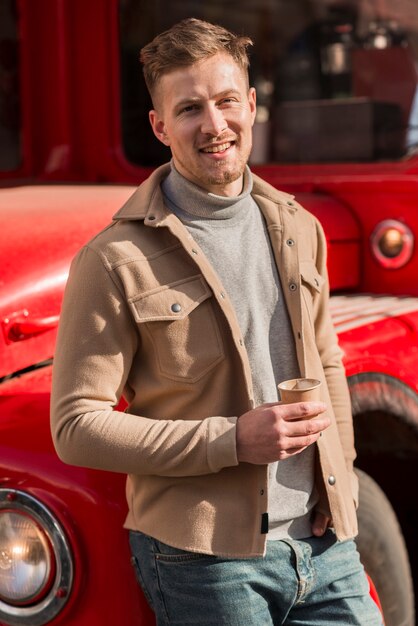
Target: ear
252	101
158	126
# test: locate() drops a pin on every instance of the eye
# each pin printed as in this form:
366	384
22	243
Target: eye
229	100
188	108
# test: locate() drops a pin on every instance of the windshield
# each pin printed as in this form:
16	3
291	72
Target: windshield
336	80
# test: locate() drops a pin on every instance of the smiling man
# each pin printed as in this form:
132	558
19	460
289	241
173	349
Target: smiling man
209	129
208	289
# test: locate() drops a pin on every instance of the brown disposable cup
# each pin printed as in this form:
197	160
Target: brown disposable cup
299	390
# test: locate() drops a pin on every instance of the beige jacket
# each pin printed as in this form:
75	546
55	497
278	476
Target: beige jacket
145	315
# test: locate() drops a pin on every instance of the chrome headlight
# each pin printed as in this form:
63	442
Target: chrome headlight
36	569
392	244
26	559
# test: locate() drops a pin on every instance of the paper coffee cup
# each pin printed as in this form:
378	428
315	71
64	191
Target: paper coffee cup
299	390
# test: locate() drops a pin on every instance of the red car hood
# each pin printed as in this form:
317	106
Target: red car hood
42	228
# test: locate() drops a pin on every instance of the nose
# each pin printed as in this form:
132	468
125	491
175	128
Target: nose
213	122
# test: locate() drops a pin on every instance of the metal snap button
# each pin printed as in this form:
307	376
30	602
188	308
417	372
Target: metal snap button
176	308
332	480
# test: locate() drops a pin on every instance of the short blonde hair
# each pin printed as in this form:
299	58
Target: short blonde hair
187	42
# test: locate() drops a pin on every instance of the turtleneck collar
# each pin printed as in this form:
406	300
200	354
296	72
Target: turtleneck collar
192	201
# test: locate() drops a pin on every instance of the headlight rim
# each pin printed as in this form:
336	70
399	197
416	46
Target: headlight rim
50	604
399	261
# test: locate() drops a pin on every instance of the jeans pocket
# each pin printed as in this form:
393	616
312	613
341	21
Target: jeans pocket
168	554
140	579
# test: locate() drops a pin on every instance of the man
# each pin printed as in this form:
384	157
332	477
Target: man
208	289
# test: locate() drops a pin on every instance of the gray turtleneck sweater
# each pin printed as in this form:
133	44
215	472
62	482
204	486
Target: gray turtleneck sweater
232	233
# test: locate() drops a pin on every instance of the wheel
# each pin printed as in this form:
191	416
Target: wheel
383	553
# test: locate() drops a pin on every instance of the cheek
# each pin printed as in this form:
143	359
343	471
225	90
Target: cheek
181	132
243	118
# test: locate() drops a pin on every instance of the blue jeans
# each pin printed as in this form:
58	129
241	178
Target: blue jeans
312	582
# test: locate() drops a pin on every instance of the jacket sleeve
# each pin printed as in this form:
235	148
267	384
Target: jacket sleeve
331	357
96	344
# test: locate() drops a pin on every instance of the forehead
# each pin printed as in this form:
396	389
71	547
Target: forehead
204	79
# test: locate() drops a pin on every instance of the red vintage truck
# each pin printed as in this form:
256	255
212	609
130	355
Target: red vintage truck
337	125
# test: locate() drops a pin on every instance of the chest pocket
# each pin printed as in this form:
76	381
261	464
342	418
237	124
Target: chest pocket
181	323
311	283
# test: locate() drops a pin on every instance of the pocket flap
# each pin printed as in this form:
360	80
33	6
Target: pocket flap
311	276
170	302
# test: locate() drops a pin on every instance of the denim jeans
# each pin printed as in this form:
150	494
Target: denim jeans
311	582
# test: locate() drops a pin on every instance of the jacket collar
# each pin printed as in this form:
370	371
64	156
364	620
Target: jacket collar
147	204
147	201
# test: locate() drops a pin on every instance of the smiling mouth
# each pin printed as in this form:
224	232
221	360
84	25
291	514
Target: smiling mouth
219	148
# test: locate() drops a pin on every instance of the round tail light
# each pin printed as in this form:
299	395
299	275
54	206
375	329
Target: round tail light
392	244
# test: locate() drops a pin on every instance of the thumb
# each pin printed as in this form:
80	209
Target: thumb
320	524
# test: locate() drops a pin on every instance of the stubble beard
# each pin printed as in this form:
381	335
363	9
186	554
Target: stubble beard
225	176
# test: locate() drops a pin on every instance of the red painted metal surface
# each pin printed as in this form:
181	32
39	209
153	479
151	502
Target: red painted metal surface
374	199
42	229
388	346
90	505
343	235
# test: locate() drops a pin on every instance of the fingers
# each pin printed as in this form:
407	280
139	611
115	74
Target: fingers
299	427
289	446
296	410
306	428
285	454
302	419
302	410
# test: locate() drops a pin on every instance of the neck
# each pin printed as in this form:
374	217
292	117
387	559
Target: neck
198	202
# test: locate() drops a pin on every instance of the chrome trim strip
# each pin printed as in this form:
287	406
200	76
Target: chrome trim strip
350	312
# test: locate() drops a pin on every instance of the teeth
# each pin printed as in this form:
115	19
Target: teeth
220	148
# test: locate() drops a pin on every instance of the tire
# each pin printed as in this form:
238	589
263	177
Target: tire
383	553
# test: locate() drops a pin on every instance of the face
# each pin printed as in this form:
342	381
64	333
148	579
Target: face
205	114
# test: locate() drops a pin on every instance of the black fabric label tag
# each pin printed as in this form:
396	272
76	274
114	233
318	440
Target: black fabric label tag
264	523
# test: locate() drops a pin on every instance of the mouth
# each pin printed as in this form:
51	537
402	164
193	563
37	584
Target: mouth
215	149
